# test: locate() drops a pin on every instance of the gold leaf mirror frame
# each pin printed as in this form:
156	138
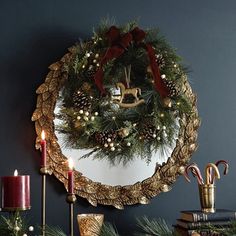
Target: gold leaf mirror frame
95	192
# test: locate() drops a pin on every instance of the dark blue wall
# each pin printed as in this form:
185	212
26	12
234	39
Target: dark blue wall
33	34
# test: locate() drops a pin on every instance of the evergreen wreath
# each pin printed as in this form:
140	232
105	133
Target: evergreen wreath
123	97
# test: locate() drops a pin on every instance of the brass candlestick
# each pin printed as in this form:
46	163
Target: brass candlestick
71	198
43	171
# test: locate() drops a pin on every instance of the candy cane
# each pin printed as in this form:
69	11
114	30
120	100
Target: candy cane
195	171
225	163
208	172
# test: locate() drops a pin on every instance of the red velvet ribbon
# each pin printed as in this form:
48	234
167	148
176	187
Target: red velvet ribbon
118	45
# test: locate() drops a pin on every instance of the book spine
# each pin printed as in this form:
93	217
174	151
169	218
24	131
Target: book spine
213	217
196	225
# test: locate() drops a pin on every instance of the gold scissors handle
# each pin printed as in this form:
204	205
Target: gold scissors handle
209	170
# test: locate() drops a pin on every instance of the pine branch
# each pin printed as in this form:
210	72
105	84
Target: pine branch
54	231
155	227
108	230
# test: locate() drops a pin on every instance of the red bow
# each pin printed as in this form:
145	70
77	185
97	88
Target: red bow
118	45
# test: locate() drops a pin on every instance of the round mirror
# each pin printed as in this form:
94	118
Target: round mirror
150	136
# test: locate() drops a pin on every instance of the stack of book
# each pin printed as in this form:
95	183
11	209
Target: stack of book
197	221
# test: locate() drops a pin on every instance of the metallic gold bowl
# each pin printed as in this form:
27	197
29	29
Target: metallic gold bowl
90	224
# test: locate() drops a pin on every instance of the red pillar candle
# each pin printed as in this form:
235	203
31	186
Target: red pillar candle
15	192
70	177
43	150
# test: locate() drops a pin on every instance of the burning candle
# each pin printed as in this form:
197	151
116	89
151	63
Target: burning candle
15	192
43	149
70	177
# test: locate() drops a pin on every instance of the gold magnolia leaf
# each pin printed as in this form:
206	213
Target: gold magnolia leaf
46	95
119	205
39	101
92	201
46	109
42	88
55	66
37	114
143	200
53	85
43	121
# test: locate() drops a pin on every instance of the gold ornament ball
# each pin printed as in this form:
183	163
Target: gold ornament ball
86	118
96	113
163	76
167	102
111	144
106	145
78	117
108	140
81	111
124	132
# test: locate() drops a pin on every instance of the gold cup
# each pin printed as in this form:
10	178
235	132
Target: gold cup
90	224
207	197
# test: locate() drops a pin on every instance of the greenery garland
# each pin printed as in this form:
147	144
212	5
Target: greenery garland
123	96
15	225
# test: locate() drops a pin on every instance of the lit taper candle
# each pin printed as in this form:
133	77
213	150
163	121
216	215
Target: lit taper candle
70	177
43	149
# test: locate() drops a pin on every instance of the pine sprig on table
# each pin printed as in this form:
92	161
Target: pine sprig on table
108	230
54	231
13	225
155	227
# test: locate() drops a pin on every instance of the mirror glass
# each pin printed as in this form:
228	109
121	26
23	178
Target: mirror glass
102	171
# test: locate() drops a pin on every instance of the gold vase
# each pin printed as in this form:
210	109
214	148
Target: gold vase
207	197
90	224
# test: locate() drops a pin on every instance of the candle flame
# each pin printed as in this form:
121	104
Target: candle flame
70	163
43	135
15	173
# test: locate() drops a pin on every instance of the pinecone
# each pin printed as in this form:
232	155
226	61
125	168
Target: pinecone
149	132
81	101
90	72
173	89
106	137
160	60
